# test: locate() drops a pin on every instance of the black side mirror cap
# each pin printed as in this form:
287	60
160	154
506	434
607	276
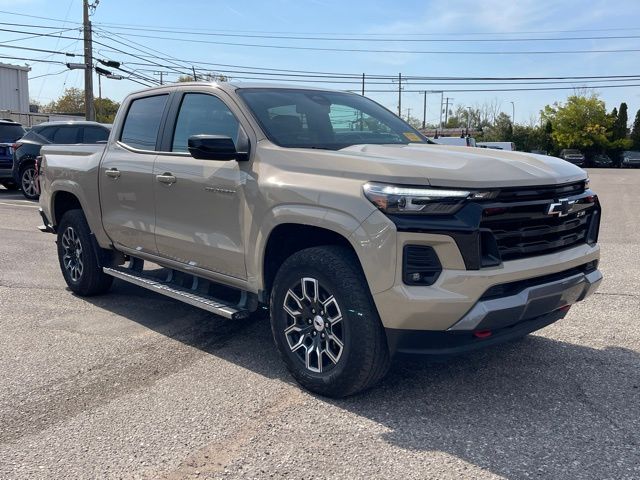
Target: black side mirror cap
214	147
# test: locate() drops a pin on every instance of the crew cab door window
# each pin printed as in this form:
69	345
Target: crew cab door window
203	114
142	122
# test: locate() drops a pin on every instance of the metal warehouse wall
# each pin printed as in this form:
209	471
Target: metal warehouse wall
14	88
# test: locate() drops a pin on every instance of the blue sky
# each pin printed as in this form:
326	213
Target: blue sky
456	20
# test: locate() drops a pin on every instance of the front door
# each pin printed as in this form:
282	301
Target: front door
126	177
199	202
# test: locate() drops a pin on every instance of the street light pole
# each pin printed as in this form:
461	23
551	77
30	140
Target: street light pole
513	113
424	111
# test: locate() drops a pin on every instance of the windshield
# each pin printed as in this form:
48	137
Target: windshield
325	119
632	154
572	152
10	133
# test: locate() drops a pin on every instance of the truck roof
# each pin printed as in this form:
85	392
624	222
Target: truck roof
232	86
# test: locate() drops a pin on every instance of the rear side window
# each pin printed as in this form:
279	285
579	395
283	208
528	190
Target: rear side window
95	135
10	133
142	122
66	135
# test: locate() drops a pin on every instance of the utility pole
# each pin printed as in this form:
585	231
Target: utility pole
424	110
363	84
513	113
446	110
441	102
195	77
408	113
89	109
400	95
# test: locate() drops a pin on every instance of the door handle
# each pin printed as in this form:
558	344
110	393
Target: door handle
112	173
167	178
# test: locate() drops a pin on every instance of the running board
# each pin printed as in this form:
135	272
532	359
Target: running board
185	295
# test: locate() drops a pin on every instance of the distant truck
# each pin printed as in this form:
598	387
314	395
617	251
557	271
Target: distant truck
457	141
507	146
361	242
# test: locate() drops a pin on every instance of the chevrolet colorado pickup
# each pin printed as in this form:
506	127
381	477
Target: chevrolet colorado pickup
361	237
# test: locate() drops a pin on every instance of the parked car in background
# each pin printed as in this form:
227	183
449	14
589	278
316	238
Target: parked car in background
601	160
630	159
27	150
10	131
574	156
540	152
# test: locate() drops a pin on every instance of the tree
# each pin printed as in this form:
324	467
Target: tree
635	132
582	122
205	77
500	131
71	101
105	109
414	122
619	129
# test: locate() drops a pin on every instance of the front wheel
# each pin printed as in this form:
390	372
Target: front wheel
78	257
325	324
28	181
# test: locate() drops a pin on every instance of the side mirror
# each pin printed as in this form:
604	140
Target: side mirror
214	147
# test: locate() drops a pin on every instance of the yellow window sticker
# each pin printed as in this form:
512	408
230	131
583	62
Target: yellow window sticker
412	137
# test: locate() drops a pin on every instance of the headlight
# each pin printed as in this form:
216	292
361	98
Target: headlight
420	200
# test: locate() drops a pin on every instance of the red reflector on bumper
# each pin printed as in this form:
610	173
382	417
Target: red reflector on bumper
482	333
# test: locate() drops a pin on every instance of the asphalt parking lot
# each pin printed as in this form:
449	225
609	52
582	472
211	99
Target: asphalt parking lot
134	385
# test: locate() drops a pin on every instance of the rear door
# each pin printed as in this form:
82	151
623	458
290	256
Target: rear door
199	213
126	175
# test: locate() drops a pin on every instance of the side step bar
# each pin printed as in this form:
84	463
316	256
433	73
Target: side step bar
197	299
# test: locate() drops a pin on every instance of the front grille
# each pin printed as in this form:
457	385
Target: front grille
527	230
547	192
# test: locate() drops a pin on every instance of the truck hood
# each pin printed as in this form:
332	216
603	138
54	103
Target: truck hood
453	166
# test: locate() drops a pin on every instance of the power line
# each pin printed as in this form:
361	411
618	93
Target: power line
515	89
467	33
17	47
367	39
368	50
34	60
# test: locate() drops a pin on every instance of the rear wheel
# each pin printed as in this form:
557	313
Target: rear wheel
28	182
78	257
325	324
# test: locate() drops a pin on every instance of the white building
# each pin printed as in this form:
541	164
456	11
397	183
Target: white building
14	88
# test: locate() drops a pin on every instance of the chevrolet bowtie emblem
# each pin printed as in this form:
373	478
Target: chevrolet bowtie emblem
562	208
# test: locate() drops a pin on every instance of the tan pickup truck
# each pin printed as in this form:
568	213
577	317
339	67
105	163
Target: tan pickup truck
361	237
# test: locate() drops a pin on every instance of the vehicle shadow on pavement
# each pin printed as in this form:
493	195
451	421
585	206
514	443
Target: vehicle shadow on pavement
535	407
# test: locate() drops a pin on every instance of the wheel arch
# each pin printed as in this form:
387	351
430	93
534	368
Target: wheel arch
288	238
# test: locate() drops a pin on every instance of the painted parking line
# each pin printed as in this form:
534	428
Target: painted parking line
19	205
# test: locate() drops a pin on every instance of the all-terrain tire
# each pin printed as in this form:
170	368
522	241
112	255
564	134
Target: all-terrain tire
78	256
364	358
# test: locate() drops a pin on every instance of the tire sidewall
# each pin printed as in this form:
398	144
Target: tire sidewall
361	323
23	170
75	219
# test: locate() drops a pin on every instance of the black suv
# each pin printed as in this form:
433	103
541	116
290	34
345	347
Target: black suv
27	150
10	132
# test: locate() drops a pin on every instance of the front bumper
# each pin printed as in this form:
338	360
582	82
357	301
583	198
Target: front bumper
532	302
455	343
